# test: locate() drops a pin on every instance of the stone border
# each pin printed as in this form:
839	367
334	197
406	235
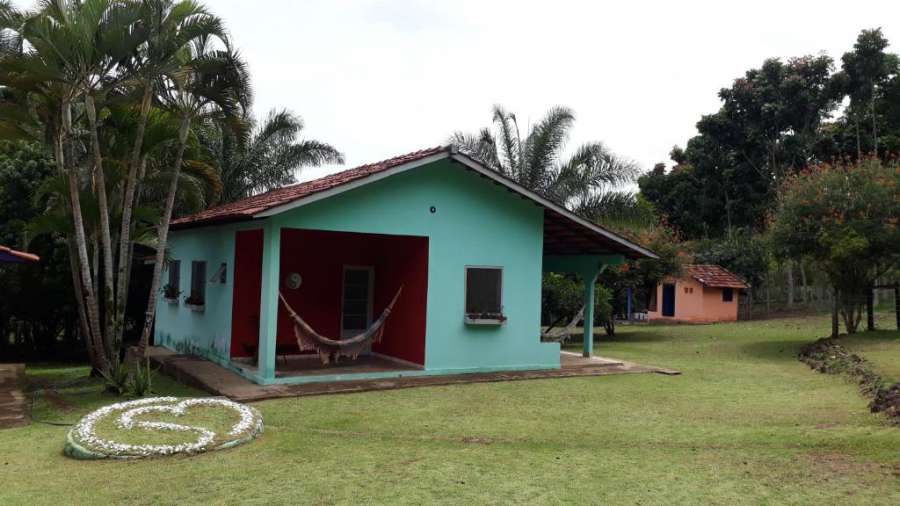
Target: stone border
829	356
82	442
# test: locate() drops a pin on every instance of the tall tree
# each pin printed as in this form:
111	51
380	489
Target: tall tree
865	73
70	68
166	29
210	84
844	217
269	157
766	129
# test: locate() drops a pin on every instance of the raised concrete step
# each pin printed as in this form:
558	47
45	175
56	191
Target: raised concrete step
14	408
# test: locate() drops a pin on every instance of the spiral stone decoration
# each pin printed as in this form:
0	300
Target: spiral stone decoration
84	442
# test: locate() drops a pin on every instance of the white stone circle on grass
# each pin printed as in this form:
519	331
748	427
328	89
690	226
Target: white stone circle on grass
83	442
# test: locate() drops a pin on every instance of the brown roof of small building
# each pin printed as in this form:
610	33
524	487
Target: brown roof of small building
715	276
9	255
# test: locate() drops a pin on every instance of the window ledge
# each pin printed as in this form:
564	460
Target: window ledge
469	320
197	308
171	300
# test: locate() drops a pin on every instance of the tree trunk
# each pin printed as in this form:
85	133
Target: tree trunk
835	324
789	265
804	290
897	304
874	123
870	309
163	232
79	298
83	264
112	341
128	200
750	303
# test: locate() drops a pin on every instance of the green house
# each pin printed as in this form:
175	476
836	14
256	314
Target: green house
459	247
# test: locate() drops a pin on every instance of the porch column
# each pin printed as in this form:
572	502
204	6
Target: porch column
590	280
268	311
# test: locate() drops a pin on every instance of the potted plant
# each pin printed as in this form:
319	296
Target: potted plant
195	303
171	293
485	318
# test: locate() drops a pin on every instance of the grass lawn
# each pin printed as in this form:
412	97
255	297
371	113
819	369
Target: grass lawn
745	424
881	348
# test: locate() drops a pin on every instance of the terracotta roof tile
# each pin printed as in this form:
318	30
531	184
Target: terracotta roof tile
715	276
246	208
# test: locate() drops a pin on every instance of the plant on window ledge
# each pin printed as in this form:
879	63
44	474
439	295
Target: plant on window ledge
171	293
486	318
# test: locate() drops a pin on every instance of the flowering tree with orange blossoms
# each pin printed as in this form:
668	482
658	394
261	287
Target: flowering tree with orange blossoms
846	217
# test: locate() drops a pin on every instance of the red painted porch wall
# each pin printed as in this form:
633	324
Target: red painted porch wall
248	252
319	257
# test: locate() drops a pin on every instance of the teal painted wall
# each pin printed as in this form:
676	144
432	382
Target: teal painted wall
206	333
475	223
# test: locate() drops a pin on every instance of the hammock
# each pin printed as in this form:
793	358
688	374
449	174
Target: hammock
333	349
562	335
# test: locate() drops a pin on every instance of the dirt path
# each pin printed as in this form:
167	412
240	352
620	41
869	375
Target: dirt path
13	405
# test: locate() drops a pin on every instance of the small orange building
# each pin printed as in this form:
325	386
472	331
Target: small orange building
704	294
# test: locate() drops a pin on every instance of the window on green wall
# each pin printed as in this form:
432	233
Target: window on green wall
484	292
198	283
173	286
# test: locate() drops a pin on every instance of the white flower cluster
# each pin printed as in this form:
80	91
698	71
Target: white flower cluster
83	434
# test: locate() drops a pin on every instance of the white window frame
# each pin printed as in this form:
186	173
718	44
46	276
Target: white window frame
481	321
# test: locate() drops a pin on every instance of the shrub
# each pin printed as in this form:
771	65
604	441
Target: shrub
117	379
141	379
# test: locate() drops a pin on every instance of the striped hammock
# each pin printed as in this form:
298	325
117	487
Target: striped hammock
331	350
562	335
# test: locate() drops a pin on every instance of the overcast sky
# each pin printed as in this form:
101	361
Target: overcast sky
377	78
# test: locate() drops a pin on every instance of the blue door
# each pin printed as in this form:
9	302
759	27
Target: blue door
668	302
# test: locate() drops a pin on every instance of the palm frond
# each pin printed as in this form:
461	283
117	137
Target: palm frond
544	144
511	159
482	147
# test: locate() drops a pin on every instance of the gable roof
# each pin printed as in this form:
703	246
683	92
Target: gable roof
9	255
588	237
715	276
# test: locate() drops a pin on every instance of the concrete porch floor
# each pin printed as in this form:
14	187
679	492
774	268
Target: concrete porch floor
217	380
310	365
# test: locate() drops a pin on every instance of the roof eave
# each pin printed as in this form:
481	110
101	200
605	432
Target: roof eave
500	179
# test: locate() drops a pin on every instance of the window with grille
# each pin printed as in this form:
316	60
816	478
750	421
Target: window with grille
173	286
484	288
198	283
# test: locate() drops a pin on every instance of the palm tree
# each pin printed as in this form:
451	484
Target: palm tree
167	28
587	182
65	68
210	85
268	158
55	57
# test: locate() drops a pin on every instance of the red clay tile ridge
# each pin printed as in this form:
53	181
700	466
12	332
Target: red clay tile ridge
247	208
715	276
